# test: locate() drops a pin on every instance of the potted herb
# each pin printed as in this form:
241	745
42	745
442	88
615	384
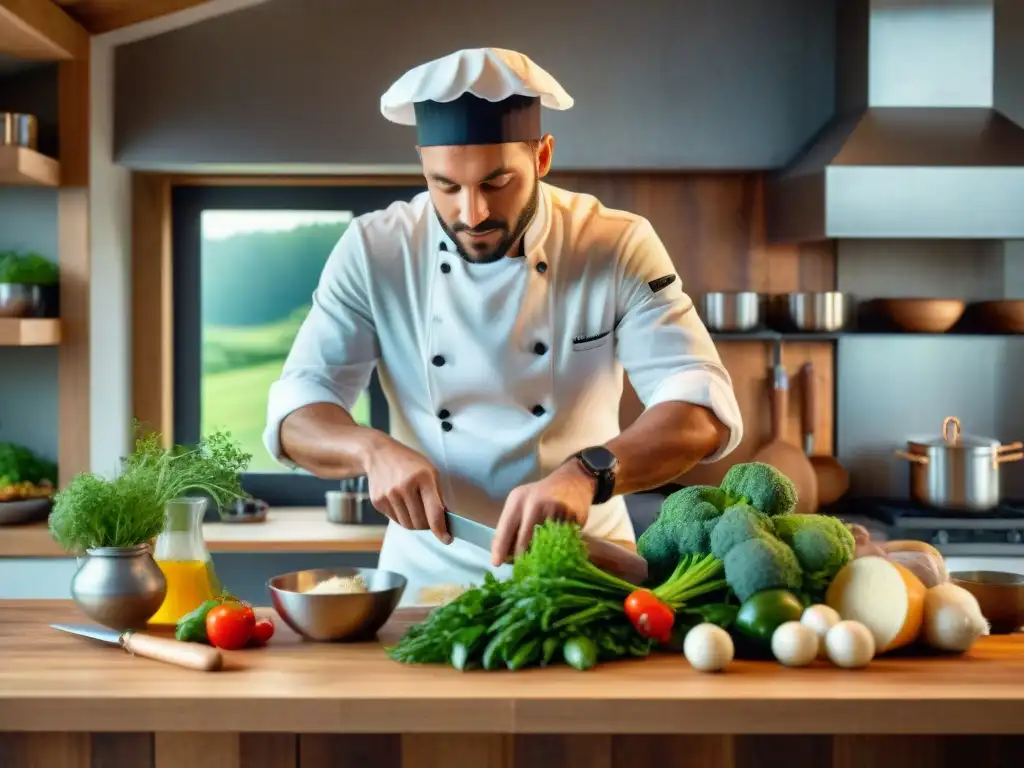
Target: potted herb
29	285
113	522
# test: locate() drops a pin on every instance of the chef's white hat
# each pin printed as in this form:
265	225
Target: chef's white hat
474	96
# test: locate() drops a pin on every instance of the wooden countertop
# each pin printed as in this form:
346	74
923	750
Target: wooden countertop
51	681
285	530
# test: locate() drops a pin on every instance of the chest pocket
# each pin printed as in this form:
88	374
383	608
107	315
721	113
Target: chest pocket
594	341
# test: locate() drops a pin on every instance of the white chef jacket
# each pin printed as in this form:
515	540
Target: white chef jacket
497	372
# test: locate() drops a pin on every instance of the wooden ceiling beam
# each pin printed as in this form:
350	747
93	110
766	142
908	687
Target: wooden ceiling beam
39	30
99	16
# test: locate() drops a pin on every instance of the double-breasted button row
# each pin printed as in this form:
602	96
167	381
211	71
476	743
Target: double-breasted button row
444	414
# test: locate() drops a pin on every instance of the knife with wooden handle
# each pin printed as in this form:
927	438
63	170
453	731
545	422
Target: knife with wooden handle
189	655
616	559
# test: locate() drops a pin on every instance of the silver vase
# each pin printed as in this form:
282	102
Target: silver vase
119	587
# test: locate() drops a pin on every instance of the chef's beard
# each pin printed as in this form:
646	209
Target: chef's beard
510	237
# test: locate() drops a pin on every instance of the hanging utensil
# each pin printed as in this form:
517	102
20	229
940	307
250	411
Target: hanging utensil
190	655
787	458
833	479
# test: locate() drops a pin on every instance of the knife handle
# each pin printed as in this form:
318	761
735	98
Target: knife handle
190	655
616	560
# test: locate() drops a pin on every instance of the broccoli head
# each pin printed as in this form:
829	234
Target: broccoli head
688	497
759	564
761	486
683	527
738	523
822	545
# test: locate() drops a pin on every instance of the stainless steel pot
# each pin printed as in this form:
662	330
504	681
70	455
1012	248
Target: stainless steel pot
957	471
733	311
810	311
119	587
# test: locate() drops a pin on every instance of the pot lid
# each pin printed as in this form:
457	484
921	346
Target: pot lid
952	437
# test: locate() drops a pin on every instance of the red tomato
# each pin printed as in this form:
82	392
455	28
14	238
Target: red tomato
649	616
262	631
230	625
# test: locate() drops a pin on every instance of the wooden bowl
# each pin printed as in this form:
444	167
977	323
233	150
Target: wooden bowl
1000	596
1003	316
922	315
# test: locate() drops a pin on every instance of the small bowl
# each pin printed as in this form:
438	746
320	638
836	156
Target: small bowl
1002	316
921	315
1000	595
244	511
336	618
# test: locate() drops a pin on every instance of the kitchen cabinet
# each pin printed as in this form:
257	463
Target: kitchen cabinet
692	85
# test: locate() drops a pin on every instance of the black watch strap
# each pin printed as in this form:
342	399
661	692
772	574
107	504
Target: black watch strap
601	464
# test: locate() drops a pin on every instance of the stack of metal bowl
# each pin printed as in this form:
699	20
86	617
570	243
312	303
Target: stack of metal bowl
810	311
733	311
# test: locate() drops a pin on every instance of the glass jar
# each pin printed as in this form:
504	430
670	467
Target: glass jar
182	555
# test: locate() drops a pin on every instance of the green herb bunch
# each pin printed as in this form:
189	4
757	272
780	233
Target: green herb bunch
94	512
557	606
27	269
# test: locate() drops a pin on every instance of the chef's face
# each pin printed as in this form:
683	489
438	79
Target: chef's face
486	195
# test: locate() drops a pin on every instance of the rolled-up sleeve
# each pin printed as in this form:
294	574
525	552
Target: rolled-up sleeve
336	348
664	347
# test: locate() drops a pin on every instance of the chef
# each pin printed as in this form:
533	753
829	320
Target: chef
499	312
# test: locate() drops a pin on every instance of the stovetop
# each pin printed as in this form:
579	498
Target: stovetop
998	531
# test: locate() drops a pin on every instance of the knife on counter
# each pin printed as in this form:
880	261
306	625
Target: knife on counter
190	655
607	556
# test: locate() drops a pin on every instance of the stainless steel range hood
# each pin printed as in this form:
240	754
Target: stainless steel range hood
929	138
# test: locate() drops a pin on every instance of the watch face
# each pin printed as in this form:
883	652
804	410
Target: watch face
599	459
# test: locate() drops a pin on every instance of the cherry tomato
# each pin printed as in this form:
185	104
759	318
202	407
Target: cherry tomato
262	631
649	616
230	625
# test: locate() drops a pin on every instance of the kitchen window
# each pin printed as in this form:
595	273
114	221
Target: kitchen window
246	263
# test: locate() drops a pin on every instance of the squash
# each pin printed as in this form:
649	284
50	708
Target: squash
884	596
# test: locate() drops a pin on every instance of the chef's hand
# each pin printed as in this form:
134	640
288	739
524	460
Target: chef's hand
405	487
565	494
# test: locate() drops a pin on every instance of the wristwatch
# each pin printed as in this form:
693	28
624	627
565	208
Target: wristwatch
601	464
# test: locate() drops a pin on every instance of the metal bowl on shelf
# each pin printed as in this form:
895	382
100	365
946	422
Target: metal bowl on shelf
336	617
244	511
19	129
733	311
24	511
810	311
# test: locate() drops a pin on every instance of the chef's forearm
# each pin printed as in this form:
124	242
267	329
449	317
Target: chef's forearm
667	440
323	439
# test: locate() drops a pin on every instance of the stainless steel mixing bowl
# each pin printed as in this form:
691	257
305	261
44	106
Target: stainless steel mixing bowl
331	618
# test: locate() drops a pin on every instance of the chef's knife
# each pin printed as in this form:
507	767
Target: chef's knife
190	655
607	556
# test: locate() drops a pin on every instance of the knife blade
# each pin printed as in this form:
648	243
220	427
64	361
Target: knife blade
471	531
190	655
606	555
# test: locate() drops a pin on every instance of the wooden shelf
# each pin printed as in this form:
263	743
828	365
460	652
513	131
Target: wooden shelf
774	336
299	529
23	167
38	30
29	332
